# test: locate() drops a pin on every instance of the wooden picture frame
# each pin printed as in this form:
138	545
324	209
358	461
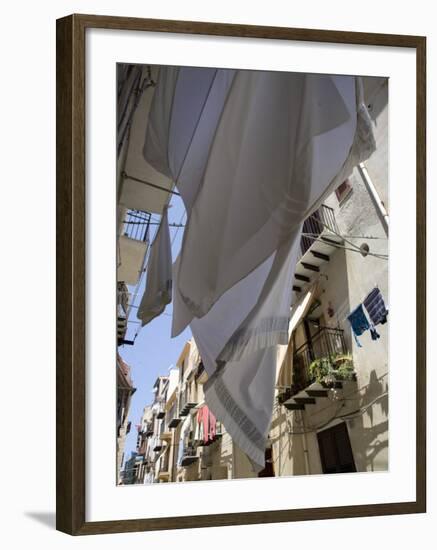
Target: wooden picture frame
71	247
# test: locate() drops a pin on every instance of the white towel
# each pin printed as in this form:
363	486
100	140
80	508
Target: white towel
157	293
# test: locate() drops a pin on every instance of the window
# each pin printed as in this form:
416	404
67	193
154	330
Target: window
343	191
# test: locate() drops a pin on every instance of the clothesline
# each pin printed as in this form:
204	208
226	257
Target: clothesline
314	218
154	185
338	245
313	236
342	237
178	226
368	237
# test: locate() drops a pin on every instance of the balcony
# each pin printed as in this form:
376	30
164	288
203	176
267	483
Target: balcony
136	225
319	241
148	429
186	408
161	412
187	401
174	422
321	221
132	246
189	457
326	344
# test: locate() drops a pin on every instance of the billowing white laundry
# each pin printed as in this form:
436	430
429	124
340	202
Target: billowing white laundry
237	342
185	112
281	145
157	293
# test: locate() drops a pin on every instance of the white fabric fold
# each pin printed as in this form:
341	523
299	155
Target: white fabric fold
237	340
282	143
157	293
186	108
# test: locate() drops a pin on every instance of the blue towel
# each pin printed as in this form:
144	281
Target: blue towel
359	322
374	303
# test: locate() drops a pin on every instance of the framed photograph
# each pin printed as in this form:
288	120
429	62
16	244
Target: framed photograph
241	274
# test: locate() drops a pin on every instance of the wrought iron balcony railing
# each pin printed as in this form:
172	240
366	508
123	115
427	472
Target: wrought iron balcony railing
186	403
326	342
189	457
323	219
136	225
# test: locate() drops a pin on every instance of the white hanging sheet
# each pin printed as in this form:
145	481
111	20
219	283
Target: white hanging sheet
281	141
157	293
282	144
237	342
184	115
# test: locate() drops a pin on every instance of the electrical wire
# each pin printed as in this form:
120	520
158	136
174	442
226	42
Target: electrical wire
342	402
341	247
355	248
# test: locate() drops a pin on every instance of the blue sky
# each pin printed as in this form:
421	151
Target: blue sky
154	351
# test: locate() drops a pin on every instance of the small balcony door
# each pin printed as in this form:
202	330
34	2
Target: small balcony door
335	450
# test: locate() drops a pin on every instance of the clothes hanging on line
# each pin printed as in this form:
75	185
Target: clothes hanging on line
185	430
199	125
157	293
241	358
206	423
198	430
375	306
240	392
359	322
185	112
254	188
260	153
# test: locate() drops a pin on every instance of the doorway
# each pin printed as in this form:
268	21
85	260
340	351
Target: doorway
335	450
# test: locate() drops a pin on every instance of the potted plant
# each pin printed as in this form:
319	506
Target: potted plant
331	368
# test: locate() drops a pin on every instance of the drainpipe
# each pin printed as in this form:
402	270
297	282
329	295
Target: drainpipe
378	204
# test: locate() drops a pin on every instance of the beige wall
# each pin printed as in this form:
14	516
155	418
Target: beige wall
350	278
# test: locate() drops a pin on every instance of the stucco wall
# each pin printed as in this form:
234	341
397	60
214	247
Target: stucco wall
349	278
357	216
376	92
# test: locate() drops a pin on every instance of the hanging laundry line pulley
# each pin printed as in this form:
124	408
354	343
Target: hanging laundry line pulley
364	249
